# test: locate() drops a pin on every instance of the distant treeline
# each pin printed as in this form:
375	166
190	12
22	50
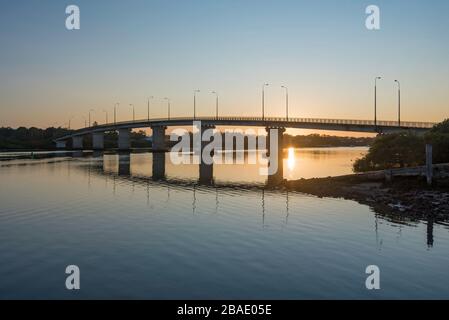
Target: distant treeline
42	139
29	138
316	140
309	141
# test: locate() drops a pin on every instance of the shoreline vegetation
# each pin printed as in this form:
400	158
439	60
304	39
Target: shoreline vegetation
405	149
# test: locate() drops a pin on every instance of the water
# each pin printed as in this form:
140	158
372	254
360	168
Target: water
133	237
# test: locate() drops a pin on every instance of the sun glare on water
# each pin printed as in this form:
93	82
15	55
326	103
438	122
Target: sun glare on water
291	159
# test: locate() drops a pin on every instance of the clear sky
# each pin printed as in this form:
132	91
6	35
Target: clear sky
128	50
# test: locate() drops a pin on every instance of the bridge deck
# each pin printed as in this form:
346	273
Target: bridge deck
299	123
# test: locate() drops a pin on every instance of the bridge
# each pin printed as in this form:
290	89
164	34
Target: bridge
279	125
159	126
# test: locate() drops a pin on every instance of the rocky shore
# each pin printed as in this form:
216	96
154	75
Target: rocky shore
405	196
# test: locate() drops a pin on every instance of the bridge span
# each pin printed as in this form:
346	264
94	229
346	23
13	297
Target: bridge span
274	126
159	126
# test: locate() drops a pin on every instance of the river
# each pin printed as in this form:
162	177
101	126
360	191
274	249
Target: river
136	237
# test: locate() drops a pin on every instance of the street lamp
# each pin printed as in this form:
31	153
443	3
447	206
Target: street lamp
216	104
263	100
399	102
91	110
148	107
194	103
375	101
70	120
106	112
168	107
286	100
85	121
134	114
115	112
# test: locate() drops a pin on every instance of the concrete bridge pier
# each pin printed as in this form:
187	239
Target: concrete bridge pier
206	169
206	173
124	141
77	142
98	140
158	166
61	144
278	158
124	164
158	139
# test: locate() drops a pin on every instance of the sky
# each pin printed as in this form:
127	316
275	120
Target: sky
128	50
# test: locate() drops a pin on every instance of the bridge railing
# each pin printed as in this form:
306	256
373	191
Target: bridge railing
328	121
408	124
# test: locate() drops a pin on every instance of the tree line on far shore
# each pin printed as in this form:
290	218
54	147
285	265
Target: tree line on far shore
30	138
319	140
43	139
405	149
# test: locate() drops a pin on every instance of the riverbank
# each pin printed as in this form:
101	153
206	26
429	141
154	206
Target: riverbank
410	197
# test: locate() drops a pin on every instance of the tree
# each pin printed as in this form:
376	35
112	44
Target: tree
396	150
405	149
438	137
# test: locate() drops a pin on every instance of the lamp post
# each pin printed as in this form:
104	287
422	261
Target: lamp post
194	103
399	102
115	112
286	100
168	107
375	102
85	121
134	115
263	100
91	110
216	104
148	107
70	120
106	112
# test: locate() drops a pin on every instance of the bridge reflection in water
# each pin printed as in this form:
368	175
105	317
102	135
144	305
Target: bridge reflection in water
120	167
122	164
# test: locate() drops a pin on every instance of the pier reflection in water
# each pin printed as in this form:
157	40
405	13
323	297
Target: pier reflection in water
140	227
142	175
298	163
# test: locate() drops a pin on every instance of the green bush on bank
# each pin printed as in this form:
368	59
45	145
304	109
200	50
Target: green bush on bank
405	149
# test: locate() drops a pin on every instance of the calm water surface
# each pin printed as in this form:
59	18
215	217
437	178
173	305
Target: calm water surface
134	237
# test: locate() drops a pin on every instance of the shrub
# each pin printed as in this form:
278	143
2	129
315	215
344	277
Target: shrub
393	151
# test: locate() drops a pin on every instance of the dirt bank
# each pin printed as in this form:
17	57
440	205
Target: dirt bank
408	196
